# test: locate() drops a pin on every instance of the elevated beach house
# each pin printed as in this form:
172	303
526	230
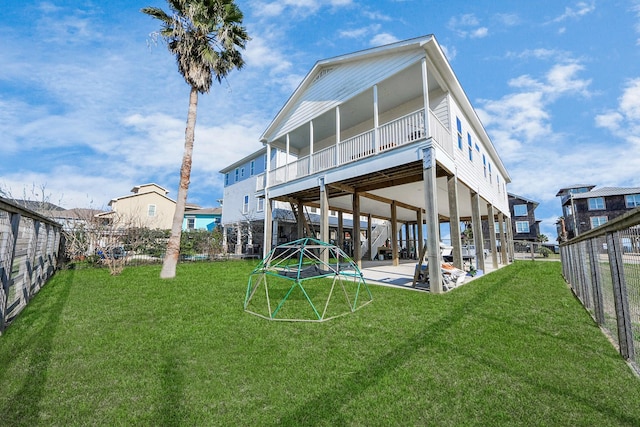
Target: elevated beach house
389	133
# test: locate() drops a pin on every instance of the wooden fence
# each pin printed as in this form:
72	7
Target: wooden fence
29	248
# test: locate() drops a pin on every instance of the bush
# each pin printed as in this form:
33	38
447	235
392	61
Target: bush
545	252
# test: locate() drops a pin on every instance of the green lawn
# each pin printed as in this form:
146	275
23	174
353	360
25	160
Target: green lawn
510	348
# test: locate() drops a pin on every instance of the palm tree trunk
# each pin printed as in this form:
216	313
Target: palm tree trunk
173	246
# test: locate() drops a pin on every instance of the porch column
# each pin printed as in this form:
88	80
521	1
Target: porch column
355	238
301	220
425	95
376	135
267	167
415	239
286	161
337	159
431	209
369	235
225	246
476	223
454	221
491	220
274	234
239	239
324	218
310	146
510	239
268	225
503	238
394	233
340	231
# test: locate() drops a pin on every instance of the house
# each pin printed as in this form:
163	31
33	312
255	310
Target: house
524	224
243	213
387	133
202	219
585	207
148	206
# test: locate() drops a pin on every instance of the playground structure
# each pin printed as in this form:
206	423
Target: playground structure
306	280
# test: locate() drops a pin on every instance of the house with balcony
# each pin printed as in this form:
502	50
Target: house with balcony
585	207
388	133
524	224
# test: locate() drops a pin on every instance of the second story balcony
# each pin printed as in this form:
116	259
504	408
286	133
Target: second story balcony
399	132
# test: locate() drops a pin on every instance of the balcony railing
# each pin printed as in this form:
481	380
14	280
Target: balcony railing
405	130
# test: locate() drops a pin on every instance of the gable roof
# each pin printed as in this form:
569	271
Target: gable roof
565	190
335	80
515	196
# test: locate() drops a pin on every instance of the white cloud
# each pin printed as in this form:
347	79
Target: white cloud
297	7
382	39
624	122
467	25
580	9
479	33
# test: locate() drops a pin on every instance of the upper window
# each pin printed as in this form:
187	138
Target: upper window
596	203
151	210
633	200
237	174
484	165
191	223
520	210
597	221
252	167
470	146
522	227
459	127
226	179
490	174
242	173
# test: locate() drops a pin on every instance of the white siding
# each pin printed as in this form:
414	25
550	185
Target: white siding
339	83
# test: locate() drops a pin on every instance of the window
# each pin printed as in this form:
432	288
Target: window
245	205
633	200
237	174
242	173
252	168
226	179
596	203
151	210
597	221
191	223
520	210
484	165
490	174
522	227
313	210
260	204
496	226
459	127
470	146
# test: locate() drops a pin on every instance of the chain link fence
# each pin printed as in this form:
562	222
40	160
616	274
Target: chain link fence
29	246
602	267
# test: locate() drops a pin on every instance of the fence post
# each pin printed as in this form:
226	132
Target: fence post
5	277
623	316
596	280
585	274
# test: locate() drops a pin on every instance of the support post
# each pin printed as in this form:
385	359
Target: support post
454	221
355	238
433	224
491	221
394	233
476	223
369	235
503	238
324	218
340	230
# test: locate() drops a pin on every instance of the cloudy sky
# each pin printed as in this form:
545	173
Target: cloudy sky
90	106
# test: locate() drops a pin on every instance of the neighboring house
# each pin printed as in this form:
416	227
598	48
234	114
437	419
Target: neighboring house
148	206
202	219
524	224
585	207
243	211
386	132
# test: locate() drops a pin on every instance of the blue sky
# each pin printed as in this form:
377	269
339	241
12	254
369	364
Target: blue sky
90	107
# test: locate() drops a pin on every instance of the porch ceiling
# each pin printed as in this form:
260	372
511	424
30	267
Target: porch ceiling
378	189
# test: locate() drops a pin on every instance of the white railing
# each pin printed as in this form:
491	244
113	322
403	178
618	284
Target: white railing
440	134
356	148
261	182
404	130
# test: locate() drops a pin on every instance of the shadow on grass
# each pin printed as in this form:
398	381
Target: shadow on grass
23	408
326	407
171	410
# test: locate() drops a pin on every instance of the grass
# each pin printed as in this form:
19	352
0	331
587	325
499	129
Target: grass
510	348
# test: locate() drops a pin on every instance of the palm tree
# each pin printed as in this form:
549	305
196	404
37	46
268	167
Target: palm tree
206	37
